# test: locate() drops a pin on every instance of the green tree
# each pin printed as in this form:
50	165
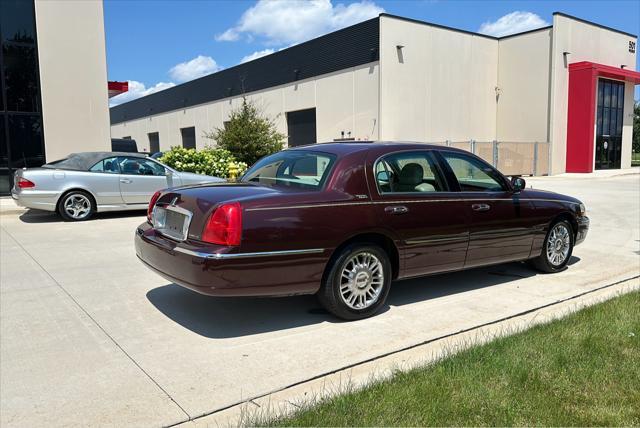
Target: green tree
636	127
248	135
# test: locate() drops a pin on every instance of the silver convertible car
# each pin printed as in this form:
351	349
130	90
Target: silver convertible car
83	183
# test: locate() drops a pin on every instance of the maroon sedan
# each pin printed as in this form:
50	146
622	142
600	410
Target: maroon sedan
343	220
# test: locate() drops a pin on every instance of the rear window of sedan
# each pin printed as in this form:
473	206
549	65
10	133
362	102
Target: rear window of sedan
299	169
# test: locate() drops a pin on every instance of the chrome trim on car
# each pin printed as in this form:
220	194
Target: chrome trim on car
460	237
411	201
223	256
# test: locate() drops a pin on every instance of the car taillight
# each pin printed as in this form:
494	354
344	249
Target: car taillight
224	226
152	203
23	183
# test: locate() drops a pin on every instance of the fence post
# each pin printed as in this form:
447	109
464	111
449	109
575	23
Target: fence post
472	146
495	154
447	143
535	158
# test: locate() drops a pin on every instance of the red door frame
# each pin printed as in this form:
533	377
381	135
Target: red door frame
583	80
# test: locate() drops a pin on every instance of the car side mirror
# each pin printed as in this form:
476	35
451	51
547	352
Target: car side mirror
518	183
167	172
383	176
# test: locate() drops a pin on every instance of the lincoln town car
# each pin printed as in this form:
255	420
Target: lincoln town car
345	220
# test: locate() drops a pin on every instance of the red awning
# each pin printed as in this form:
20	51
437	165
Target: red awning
117	88
602	70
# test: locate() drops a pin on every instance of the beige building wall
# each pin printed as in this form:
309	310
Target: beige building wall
73	76
440	85
523	82
584	42
345	101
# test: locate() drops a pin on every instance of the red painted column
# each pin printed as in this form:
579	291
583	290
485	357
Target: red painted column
581	118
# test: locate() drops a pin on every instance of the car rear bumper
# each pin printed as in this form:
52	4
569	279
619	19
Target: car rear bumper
216	271
35	199
583	229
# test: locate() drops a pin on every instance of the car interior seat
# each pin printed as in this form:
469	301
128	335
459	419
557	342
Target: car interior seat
130	167
109	166
410	179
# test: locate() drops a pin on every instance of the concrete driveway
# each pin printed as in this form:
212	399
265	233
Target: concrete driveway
91	337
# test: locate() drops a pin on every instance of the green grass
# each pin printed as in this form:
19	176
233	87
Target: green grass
582	370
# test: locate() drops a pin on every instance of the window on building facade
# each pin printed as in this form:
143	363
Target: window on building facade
188	137
22	139
301	127
154	142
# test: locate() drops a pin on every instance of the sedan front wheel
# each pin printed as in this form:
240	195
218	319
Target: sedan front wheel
557	248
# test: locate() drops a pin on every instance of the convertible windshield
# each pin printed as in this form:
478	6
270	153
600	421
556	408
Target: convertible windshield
301	169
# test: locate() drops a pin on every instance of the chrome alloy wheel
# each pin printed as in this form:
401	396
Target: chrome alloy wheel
558	244
77	206
361	281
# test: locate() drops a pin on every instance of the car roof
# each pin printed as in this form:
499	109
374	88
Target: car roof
342	148
85	160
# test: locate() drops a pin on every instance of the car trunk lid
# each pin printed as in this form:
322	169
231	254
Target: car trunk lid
199	201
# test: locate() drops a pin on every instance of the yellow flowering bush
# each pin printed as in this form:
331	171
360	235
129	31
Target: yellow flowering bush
211	161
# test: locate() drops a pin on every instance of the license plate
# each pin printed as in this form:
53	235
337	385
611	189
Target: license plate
172	222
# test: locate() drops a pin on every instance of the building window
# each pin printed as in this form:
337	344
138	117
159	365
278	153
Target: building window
21	134
154	142
25	140
301	126
188	137
609	118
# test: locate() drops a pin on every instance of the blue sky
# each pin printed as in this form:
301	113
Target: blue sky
156	44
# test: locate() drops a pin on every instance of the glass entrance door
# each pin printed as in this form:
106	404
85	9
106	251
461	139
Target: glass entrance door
609	124
21	136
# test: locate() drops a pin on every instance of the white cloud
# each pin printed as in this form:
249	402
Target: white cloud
137	90
256	55
514	22
185	71
197	67
294	21
231	35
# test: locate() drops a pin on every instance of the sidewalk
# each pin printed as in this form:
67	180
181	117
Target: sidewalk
8	206
602	173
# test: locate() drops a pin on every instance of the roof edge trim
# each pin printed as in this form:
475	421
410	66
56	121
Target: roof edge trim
604	27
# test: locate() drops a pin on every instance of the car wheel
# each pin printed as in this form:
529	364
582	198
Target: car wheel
357	282
76	205
557	248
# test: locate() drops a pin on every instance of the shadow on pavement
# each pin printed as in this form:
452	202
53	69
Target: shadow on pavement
218	318
38	216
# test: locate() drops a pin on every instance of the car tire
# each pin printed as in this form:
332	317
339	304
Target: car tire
357	282
557	248
76	205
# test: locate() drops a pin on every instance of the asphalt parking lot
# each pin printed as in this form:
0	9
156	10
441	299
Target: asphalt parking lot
89	336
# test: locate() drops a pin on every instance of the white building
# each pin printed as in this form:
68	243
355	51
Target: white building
393	78
53	82
547	101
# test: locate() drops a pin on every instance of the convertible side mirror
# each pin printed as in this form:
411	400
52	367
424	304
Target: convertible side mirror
518	183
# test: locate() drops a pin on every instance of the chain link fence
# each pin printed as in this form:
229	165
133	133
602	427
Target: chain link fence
511	158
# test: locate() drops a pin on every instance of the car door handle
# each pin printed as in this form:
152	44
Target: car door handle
125	181
480	207
396	209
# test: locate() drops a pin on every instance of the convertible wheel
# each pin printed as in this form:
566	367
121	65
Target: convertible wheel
357	283
76	206
557	248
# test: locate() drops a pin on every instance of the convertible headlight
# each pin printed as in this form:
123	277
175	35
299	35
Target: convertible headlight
582	210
